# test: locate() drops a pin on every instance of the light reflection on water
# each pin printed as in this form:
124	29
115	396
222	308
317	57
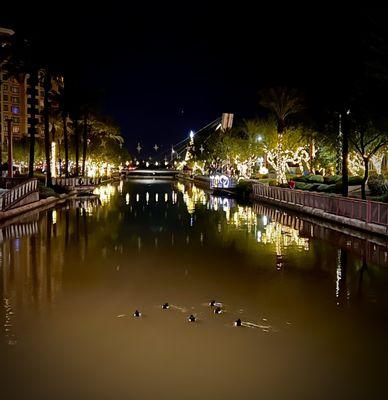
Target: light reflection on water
310	295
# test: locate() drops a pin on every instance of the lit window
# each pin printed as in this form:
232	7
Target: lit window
15	100
15	128
15	89
15	110
16	120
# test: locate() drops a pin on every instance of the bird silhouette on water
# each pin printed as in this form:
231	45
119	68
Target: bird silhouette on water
238	322
137	314
218	310
166	306
192	318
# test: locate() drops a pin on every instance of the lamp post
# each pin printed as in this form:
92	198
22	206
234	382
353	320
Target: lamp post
1	149
10	155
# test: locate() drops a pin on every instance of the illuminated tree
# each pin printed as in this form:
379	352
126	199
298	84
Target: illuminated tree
367	141
283	103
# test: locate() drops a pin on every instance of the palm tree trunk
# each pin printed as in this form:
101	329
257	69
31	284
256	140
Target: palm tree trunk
281	167
31	161
76	136
66	143
84	143
345	152
311	151
365	178
46	116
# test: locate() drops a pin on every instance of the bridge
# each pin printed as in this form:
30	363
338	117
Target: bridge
151	174
195	143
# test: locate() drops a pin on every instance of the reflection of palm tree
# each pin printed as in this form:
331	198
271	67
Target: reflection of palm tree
283	103
34	268
67	227
341	276
49	223
363	269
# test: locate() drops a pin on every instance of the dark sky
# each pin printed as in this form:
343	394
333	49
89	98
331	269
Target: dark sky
164	71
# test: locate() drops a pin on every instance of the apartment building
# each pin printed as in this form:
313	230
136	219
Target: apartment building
15	100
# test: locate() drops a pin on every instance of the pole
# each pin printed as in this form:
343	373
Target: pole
10	155
1	150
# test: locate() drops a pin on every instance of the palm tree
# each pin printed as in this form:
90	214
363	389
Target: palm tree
84	141
283	102
46	120
99	130
76	139
61	120
33	112
66	141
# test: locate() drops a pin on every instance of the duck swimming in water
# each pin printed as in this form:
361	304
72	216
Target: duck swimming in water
238	322
137	314
166	306
192	318
215	303
218	310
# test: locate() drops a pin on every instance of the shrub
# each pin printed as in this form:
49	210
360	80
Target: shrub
45	192
272	182
300	185
60	189
332	179
244	188
315	178
314	187
322	188
309	186
309	178
355	180
377	185
383	198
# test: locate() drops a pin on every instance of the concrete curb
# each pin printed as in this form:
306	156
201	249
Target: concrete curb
35	206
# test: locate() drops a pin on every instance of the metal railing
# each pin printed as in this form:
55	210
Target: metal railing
17	193
76	181
9	183
363	210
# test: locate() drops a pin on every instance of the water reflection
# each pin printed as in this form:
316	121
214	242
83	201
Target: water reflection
68	273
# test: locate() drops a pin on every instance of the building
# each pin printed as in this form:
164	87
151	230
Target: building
15	99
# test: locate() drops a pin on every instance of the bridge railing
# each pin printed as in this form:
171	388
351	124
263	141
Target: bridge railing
17	193
76	181
363	210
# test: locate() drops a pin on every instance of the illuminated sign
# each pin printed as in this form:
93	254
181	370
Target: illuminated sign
221	181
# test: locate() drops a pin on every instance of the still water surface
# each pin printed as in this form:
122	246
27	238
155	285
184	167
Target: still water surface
314	303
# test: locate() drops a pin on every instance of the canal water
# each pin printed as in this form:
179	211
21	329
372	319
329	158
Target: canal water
313	302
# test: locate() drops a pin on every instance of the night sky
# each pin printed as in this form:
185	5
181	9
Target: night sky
164	71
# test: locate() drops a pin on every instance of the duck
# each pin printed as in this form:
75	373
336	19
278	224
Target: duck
137	314
238	322
192	318
166	306
218	310
212	303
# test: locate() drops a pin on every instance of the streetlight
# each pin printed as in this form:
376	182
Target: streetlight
259	138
